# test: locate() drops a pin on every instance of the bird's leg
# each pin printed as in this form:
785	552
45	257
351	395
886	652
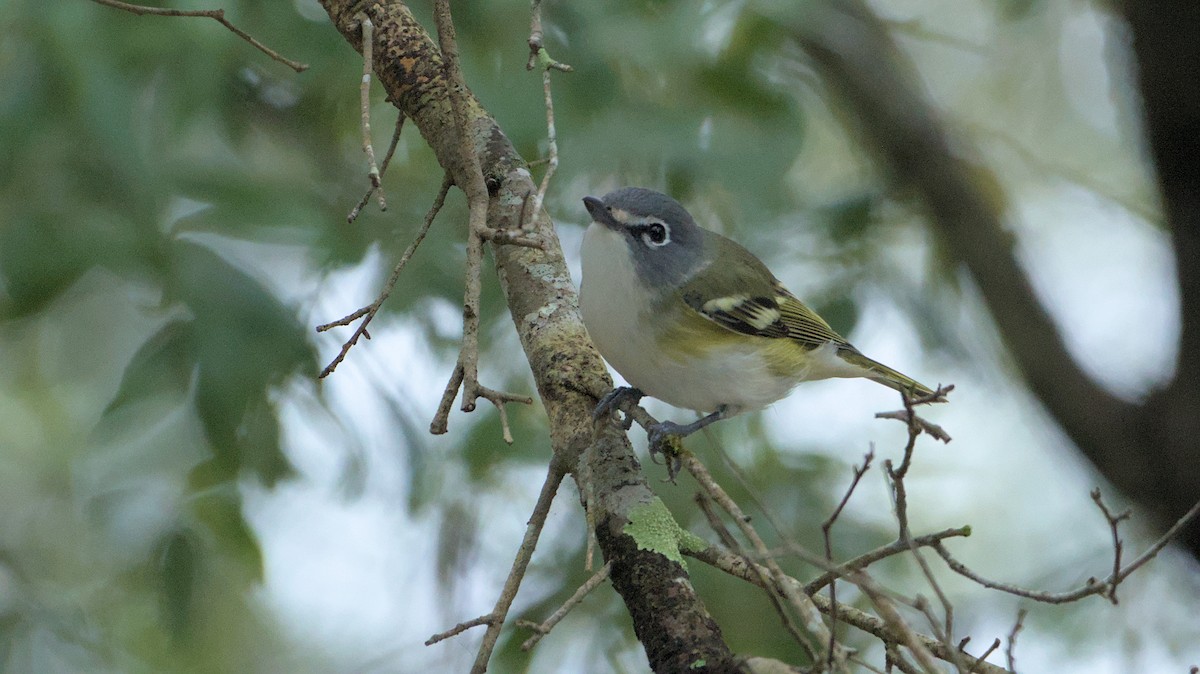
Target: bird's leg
665	438
617	399
660	432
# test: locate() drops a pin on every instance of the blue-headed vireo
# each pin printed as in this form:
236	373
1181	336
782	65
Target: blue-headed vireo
694	319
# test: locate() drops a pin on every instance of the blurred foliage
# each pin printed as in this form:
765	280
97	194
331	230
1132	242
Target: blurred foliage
171	202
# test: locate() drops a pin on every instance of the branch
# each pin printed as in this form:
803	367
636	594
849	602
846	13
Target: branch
1163	37
364	100
387	159
543	628
775	579
215	14
827	527
739	567
667	614
866	559
549	488
854	52
372	309
469	178
1114	523
539	56
1092	586
1010	650
705	502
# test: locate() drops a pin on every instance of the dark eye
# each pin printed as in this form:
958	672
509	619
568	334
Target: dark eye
656	234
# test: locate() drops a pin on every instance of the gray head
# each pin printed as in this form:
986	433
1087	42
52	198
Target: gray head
666	244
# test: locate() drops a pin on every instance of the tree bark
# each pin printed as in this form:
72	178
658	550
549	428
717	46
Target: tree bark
668	616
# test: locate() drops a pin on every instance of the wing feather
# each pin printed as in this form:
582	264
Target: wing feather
779	315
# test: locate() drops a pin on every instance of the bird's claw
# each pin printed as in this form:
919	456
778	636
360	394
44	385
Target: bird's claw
666	440
616	400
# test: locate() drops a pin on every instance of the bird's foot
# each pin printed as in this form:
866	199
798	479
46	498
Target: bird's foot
617	400
666	438
666	441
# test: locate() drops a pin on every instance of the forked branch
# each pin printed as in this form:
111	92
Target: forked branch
215	14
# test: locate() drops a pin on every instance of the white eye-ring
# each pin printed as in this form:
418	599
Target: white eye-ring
656	234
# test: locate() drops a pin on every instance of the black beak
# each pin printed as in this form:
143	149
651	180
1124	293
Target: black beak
599	212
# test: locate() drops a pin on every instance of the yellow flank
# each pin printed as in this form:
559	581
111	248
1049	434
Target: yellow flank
691	335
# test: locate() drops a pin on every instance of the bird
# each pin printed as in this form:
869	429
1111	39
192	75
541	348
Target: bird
692	318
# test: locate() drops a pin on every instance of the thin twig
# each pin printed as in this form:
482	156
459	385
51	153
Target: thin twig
215	14
372	309
536	50
1091	586
866	559
539	56
495	619
543	628
1114	523
982	656
459	629
533	531
466	371
705	502
894	657
777	579
859	471
910	418
552	151
1009	650
927	427
547	64
945	630
387	159
740	567
890	615
827	526
364	101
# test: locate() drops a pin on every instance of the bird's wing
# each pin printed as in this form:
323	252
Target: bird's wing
804	325
753	302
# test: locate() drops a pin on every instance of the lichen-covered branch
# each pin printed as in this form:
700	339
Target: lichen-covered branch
668	616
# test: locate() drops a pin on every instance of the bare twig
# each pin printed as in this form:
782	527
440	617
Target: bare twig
916	424
866	559
538	56
536	51
495	619
1091	586
1114	523
460	628
372	309
827	526
776	579
470	181
552	149
543	628
1009	650
926	426
859	471
740	567
894	658
215	14
387	159
944	629
982	656
364	101
705	502
889	614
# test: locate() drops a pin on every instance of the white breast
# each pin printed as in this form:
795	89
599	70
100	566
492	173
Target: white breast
616	312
